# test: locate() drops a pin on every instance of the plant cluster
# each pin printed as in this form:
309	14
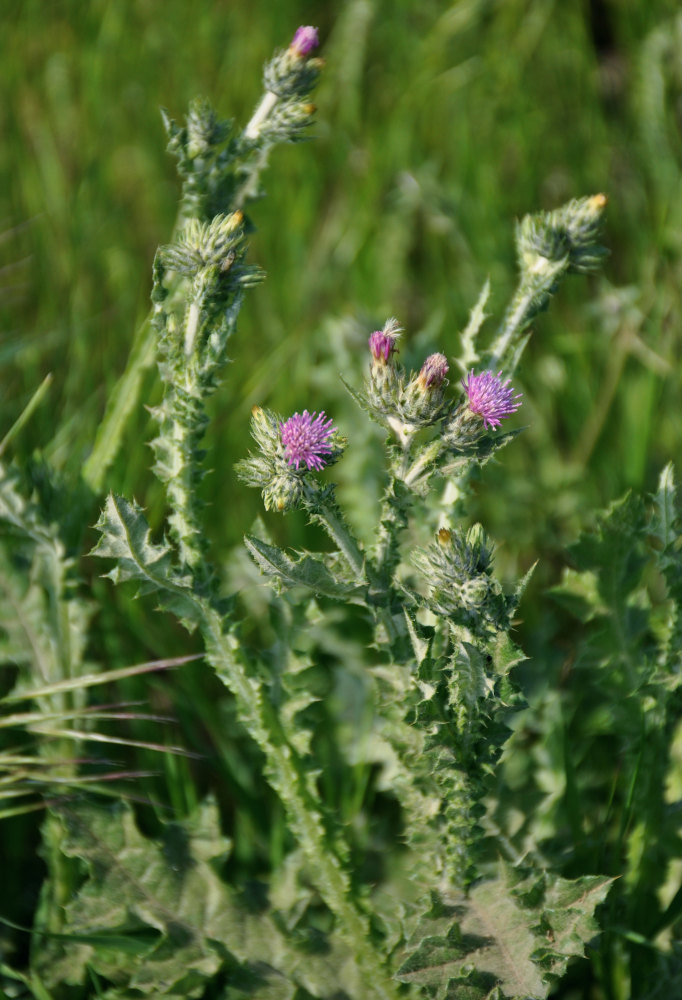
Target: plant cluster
458	898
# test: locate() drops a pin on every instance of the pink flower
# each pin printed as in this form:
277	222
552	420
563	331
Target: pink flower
489	397
305	40
305	437
381	345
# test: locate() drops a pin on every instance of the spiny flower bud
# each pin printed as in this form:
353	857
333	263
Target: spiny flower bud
433	372
384	386
458	569
381	346
422	402
305	40
204	130
566	237
382	343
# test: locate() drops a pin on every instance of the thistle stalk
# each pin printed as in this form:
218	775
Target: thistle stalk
216	180
288	782
328	515
549	246
260	115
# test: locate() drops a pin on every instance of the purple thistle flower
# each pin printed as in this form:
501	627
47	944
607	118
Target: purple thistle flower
305	40
433	371
381	345
490	397
305	437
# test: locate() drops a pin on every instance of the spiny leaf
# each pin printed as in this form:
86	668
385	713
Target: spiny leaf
155	919
569	914
468	355
126	538
307	570
517	932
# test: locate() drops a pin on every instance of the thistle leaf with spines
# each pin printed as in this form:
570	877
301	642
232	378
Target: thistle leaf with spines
126	538
511	936
305	570
468	355
177	924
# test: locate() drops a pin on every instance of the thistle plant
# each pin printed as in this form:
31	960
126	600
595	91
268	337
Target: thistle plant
440	679
463	911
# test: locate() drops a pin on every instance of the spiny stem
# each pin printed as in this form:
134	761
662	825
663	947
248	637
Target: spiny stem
184	518
392	520
513	323
285	776
337	529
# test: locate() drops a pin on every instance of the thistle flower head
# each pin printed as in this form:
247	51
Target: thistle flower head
381	346
490	398
305	40
433	372
305	437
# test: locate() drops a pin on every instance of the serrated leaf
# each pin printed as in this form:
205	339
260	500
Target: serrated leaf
520	589
569	911
506	654
579	594
154	918
612	548
126	537
307	570
517	933
468	355
135	885
421	637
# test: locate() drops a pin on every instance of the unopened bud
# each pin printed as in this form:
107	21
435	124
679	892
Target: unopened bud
433	372
382	346
304	41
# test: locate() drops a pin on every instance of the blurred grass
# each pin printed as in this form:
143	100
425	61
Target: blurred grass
439	124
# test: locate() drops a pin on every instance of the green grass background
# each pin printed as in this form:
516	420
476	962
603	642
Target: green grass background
439	124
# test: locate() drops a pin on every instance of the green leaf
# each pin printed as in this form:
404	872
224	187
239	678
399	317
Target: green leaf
134	886
307	570
579	594
126	537
468	355
569	918
517	932
155	918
